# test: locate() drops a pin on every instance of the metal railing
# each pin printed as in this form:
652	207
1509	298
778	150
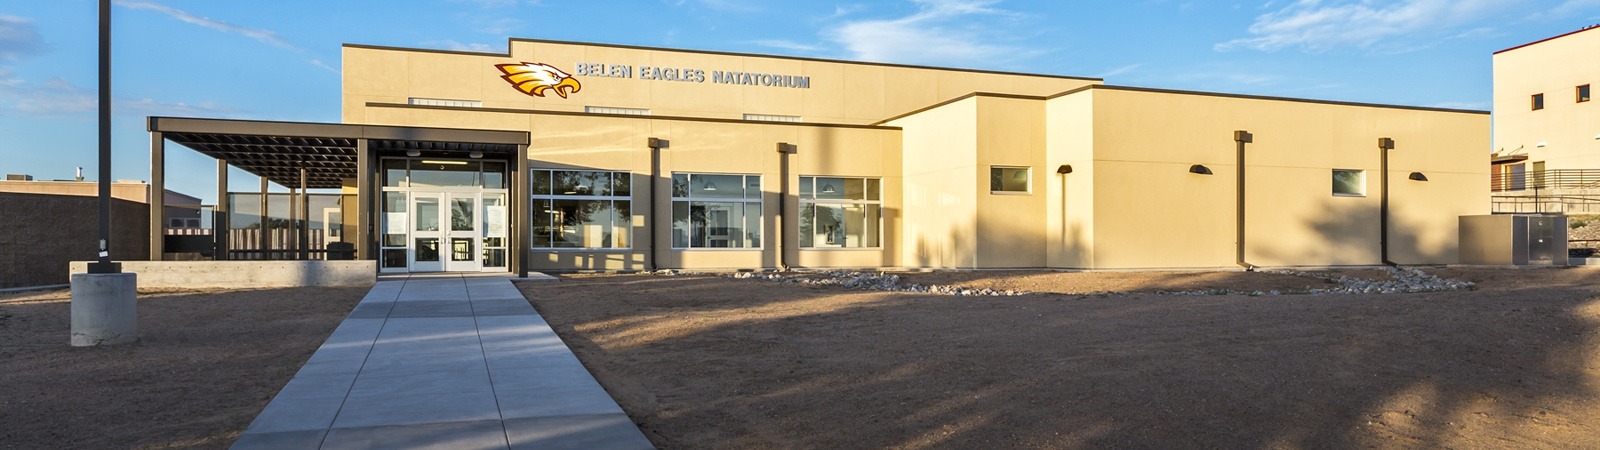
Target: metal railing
1545	179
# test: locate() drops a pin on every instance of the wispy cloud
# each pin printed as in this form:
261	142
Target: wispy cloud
941	32
497	3
1462	105
258	34
56	97
1317	25
788	45
19	38
465	47
1119	71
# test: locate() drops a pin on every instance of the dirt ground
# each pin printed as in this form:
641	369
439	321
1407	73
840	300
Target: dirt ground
205	365
705	362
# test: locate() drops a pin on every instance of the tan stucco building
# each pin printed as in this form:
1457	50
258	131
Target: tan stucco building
1546	124
646	158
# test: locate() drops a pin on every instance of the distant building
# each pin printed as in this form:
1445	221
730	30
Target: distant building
50	223
1547	125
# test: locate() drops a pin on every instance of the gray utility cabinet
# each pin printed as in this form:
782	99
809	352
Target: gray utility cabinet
1514	240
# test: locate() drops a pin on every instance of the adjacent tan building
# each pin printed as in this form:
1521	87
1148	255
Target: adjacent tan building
946	168
1546	124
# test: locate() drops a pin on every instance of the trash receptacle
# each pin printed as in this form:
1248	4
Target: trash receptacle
341	251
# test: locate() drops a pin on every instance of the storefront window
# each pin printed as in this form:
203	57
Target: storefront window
716	211
581	209
840	212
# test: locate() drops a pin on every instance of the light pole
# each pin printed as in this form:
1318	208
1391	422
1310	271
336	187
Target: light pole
104	300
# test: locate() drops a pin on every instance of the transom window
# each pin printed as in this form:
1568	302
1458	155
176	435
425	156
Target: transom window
1349	183
716	211
582	209
1010	179
841	212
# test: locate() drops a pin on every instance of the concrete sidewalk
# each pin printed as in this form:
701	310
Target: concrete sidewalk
457	362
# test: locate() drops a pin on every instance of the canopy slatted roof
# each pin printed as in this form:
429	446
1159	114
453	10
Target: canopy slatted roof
327	152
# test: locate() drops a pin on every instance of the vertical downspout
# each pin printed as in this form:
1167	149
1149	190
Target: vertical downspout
784	150
1241	137
1384	145
655	183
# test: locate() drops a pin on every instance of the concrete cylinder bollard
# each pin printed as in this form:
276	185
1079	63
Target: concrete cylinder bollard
104	309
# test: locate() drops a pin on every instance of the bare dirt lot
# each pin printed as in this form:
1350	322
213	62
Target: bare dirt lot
205	365
706	362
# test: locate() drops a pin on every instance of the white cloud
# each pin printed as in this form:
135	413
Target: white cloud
467	47
56	97
787	45
1316	25
266	36
19	38
941	32
1119	71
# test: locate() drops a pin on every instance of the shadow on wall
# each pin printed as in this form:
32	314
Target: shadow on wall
830	367
1348	234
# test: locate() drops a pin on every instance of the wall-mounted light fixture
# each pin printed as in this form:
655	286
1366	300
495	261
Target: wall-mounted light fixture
1067	168
413	153
476	155
1417	176
1597	137
1542	144
1200	169
658	143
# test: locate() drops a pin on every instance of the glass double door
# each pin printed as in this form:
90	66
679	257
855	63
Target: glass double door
445	234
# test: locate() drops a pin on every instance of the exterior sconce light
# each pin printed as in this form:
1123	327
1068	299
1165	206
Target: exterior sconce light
413	153
658	143
476	155
1417	176
1200	169
1542	144
1067	168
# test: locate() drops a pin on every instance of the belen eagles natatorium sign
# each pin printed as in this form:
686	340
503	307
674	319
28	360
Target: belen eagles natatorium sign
536	79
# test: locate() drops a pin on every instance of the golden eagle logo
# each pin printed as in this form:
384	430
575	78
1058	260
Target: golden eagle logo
536	78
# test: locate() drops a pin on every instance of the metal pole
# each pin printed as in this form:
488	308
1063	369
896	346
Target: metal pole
1241	138
655	145
1384	145
103	259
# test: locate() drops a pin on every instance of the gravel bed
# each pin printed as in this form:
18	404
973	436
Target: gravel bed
1403	280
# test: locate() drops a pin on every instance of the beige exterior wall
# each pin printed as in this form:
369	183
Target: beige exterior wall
1129	202
840	91
1150	211
1011	226
1554	68
941	156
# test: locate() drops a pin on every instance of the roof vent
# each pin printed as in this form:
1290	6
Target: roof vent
18	177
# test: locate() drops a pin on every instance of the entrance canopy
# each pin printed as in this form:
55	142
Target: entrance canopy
301	155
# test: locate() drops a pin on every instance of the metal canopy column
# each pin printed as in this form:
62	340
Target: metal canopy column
265	240
305	216
520	211
219	213
365	203
158	198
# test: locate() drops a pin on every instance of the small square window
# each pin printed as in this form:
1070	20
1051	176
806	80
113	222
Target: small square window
1583	93
1538	102
1009	179
1349	183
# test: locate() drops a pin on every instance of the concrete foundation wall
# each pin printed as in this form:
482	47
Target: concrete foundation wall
247	274
43	233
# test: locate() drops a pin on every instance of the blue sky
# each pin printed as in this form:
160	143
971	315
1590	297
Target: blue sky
279	60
